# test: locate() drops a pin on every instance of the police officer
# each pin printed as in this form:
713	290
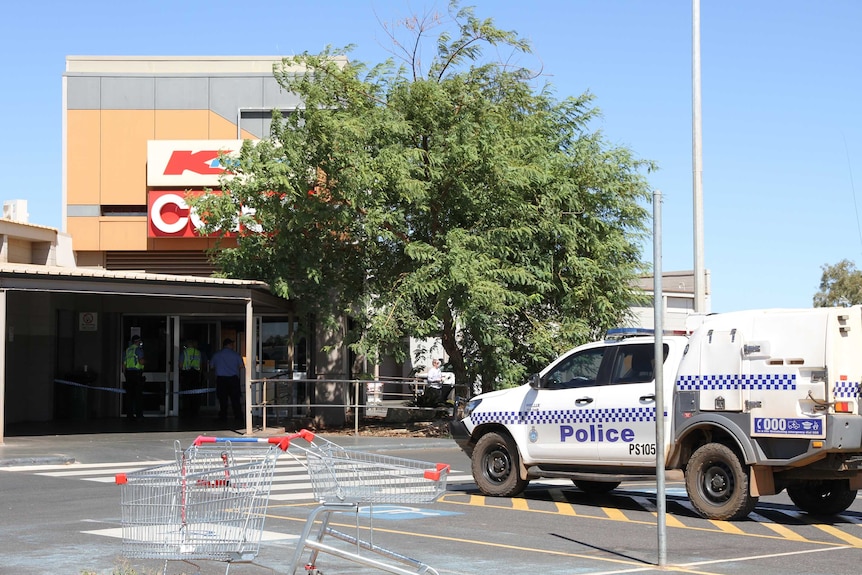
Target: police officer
227	365
190	378
133	365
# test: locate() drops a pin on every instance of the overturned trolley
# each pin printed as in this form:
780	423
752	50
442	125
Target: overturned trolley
346	481
209	504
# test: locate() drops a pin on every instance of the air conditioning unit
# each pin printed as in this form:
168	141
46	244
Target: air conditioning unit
15	210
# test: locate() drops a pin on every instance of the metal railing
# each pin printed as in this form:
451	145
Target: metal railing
282	398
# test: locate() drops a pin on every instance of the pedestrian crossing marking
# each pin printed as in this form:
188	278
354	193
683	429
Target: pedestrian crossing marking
290	482
266	536
292	486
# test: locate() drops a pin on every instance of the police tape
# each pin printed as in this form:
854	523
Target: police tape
121	390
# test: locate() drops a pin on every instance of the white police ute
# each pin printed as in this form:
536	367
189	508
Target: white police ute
755	402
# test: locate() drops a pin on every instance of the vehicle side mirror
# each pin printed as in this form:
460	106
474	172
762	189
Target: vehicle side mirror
534	381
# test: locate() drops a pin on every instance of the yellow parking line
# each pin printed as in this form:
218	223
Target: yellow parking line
614	513
854	541
727	527
561	503
784	531
671	521
562	507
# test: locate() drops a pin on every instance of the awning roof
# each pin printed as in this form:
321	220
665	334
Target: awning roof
27	277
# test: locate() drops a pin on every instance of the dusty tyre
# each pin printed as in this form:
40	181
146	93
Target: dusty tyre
596	487
822	497
496	466
717	483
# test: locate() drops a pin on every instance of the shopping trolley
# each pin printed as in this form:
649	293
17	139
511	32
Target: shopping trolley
209	504
345	480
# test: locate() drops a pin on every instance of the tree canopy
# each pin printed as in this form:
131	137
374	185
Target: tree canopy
463	201
840	285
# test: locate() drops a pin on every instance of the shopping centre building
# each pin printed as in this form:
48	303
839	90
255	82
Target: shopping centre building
139	133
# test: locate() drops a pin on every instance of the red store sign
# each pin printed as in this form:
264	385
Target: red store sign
187	163
168	215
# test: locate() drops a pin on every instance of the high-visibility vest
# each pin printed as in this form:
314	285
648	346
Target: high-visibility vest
132	361
191	359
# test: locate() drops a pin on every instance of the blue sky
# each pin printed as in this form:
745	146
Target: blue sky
781	82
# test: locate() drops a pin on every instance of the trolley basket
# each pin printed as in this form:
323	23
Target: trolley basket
345	479
340	475
209	504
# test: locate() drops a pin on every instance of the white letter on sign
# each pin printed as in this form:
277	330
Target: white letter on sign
156	214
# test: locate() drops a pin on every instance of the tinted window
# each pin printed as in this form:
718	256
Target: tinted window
577	370
634	363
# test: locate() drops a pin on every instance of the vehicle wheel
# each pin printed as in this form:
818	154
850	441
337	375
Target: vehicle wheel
495	465
596	487
822	497
717	483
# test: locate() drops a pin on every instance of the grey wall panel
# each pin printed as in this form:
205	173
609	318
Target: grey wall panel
84	210
129	93
83	92
255	121
227	94
274	96
182	93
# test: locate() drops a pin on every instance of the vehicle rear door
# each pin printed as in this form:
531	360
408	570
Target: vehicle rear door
625	425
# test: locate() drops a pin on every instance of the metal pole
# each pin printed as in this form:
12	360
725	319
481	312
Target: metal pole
5	338
658	308
248	360
697	162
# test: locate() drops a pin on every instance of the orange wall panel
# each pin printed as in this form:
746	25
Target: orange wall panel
124	234
124	156
82	157
182	125
222	129
84	233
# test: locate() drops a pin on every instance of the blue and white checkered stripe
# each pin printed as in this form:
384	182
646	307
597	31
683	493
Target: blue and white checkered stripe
768	381
846	389
566	416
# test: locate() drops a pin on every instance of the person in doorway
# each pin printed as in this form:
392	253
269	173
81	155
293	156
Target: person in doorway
227	365
133	367
190	378
434	382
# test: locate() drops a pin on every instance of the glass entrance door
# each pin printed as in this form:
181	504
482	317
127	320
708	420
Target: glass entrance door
159	343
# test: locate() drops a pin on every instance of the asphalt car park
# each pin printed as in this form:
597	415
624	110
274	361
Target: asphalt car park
62	517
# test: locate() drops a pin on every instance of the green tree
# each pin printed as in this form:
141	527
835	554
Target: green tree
462	201
840	285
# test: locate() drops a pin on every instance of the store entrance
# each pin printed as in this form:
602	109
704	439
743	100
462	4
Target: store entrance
167	390
196	390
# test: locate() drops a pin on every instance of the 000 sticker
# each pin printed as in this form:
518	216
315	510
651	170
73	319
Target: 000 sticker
787	426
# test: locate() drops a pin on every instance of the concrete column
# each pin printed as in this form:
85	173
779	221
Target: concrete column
3	367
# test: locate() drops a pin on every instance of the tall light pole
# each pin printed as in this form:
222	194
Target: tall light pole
697	162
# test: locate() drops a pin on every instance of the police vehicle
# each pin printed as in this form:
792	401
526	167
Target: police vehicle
755	402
